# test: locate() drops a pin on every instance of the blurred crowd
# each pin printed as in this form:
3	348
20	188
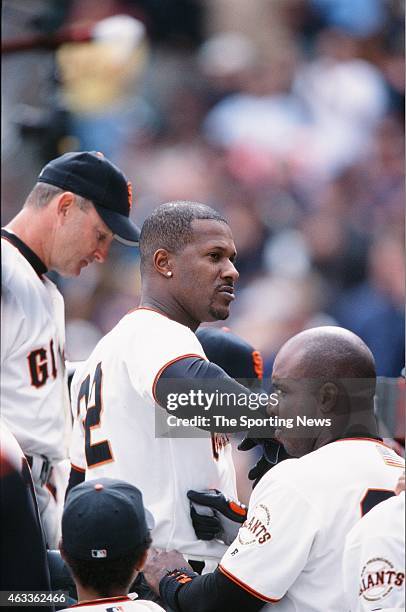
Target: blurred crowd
285	115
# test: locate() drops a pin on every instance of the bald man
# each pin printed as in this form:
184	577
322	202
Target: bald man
289	550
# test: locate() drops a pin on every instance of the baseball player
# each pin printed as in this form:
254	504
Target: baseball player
79	203
105	539
188	276
374	557
288	551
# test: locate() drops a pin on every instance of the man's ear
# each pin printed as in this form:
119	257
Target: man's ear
141	561
327	395
64	204
162	262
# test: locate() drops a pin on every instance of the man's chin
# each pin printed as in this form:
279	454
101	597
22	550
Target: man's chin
219	314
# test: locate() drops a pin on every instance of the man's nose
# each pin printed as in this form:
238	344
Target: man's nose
230	271
272	410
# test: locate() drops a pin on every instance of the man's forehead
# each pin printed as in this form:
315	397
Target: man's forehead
290	362
211	230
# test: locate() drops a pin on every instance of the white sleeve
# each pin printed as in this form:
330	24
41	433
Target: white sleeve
373	571
273	545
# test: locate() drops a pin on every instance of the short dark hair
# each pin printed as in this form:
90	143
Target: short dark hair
42	193
169	227
106	576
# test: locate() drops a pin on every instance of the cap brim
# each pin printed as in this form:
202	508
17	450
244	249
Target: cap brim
124	230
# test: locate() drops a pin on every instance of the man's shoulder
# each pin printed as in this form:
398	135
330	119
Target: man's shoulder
381	515
12	261
332	463
18	278
153	326
385	520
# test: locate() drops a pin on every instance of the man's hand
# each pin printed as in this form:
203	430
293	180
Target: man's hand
225	518
272	453
159	562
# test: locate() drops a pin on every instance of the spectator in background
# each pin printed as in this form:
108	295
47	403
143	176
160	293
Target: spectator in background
374	309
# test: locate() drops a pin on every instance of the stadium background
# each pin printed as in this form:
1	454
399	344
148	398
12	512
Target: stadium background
285	115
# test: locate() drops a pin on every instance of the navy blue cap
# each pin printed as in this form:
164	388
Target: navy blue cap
91	175
233	354
104	519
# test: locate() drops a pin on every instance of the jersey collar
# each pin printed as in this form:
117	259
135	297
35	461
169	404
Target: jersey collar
33	259
105	600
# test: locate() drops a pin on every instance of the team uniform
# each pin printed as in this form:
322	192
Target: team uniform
374	559
289	550
34	395
126	603
114	429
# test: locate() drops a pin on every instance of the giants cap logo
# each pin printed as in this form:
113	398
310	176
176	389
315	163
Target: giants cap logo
258	364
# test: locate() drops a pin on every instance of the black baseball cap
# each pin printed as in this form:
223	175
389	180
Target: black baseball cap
233	354
91	175
104	519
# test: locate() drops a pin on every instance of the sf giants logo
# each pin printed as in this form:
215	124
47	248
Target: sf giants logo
257	529
42	365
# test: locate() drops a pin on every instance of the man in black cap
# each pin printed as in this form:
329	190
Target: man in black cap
80	202
105	539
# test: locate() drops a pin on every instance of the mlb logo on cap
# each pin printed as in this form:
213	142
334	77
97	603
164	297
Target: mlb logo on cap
99	554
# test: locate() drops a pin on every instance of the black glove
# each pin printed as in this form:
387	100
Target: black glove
272	453
215	516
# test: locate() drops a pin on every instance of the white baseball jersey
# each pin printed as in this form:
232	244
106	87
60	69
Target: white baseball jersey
117	604
374	559
114	428
34	394
289	550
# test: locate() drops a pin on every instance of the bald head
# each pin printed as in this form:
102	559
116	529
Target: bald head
326	352
325	371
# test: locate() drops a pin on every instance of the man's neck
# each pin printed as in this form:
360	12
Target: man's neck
88	594
170	309
31	231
